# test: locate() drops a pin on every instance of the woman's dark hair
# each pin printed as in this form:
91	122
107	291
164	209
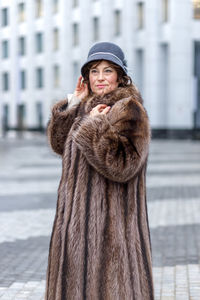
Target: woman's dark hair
123	79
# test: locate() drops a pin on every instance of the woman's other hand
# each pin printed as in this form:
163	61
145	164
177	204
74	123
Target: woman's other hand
81	90
100	109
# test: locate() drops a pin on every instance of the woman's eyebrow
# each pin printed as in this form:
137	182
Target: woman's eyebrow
96	68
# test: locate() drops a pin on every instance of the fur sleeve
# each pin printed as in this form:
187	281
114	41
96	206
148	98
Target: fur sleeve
60	124
116	144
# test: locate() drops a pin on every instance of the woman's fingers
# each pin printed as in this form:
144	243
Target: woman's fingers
100	109
79	82
106	110
81	89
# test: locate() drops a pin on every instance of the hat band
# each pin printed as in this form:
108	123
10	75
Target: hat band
109	54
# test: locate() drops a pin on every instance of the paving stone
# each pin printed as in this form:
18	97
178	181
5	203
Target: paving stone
29	177
173	192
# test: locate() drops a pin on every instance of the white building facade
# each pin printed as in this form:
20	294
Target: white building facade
43	44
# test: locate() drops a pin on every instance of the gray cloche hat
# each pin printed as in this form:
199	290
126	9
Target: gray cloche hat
106	51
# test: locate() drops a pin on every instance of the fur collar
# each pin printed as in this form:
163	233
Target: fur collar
112	97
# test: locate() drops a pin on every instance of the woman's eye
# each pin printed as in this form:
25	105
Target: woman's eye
93	71
108	70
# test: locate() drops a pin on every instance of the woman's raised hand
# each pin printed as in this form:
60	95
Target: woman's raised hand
81	90
100	109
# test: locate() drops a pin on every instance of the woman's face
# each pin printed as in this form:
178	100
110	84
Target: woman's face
103	78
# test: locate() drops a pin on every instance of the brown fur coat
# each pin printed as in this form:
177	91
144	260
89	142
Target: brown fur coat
100	244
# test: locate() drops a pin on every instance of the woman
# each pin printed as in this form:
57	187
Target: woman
100	244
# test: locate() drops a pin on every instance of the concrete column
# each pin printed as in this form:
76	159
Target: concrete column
181	67
150	61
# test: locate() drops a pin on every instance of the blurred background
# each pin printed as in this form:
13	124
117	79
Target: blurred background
43	44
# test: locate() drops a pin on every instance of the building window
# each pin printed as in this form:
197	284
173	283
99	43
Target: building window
5	49
55	6
197	84
21	11
139	69
21	116
56	76
140	10
197	59
39	114
55	39
163	84
75	34
5	81
39	42
75	3
117	22
39	8
22	46
5	117
165	10
76	71
196	9
39	78
4	17
95	28
23	80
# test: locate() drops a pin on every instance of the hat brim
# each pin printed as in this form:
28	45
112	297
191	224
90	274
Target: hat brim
101	56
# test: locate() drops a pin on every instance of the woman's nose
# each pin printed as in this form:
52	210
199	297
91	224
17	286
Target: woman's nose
100	76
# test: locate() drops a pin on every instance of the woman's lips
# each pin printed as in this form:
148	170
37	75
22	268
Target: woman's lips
101	86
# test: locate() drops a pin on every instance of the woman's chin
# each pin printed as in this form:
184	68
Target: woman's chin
101	92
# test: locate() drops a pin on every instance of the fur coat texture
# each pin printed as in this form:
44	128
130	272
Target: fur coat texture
100	243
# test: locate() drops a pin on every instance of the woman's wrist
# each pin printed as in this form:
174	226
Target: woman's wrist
73	100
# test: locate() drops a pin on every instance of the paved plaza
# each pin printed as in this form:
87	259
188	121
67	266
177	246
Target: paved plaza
29	178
